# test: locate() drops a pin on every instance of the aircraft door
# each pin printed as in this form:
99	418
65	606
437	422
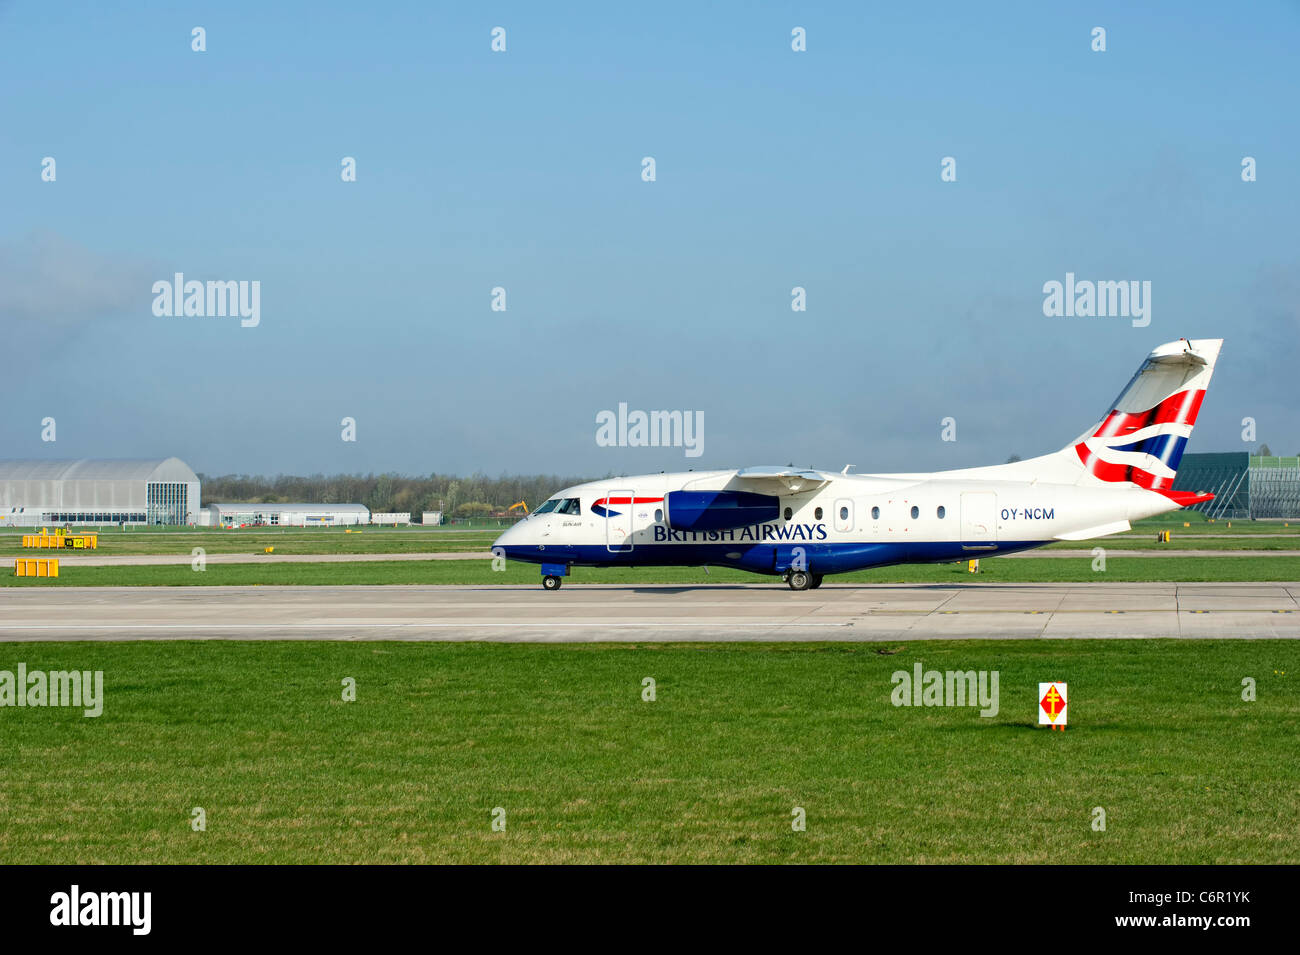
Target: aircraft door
618	521
979	520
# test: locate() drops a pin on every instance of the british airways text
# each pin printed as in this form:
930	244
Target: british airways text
763	532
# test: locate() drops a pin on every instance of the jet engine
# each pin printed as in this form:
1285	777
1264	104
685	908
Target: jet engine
718	510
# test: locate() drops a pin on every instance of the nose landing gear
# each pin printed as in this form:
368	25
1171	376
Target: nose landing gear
553	575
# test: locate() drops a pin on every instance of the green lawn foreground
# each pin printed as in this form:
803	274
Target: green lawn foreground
738	736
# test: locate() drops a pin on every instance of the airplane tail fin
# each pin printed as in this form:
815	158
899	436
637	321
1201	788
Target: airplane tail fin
1142	438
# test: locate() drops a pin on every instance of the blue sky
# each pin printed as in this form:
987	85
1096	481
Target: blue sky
522	169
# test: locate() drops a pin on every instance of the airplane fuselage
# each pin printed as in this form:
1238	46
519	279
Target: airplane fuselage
851	523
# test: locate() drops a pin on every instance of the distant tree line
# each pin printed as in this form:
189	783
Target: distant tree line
475	496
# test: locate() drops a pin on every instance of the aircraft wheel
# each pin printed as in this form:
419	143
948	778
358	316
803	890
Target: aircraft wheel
800	580
816	582
551	582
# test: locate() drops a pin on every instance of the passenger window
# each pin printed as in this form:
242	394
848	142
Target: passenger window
942	512
788	513
659	515
844	513
817	514
875	513
916	512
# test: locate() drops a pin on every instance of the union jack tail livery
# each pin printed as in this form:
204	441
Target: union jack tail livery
1143	437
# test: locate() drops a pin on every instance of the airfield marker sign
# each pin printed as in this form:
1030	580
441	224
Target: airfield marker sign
1052	705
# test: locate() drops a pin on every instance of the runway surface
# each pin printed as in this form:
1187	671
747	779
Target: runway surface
766	612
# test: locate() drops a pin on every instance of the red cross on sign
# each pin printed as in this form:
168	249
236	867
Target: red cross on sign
1052	704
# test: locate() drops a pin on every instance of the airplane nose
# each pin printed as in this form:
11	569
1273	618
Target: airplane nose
509	537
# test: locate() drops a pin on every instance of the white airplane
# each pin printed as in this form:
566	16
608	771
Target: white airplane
803	524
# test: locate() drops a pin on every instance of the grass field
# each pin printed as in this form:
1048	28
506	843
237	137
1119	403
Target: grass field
558	736
480	572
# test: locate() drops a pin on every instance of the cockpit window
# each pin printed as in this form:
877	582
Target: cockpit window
548	506
569	505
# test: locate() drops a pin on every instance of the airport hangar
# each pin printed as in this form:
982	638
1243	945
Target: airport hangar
139	492
88	491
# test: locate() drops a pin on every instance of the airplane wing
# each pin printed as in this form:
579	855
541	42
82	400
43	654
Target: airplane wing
775	480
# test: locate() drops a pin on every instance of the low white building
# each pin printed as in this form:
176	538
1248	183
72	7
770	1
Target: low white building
431	518
287	515
390	517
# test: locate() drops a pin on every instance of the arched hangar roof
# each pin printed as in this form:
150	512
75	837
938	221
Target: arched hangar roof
99	469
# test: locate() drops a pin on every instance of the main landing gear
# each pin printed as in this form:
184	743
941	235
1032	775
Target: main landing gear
802	580
551	582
